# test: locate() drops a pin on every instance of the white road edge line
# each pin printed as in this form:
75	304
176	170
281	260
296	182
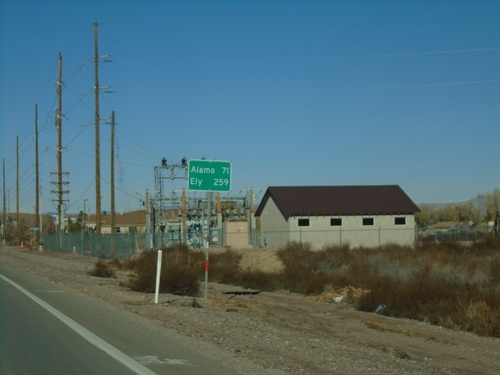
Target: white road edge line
86	334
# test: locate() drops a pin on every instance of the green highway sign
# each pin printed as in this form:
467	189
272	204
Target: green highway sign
209	175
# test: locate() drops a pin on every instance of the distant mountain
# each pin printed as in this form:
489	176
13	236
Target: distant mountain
437	206
478	202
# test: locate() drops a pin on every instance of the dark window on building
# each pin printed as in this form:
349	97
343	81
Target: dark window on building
303	222
400	221
336	222
132	229
368	221
117	229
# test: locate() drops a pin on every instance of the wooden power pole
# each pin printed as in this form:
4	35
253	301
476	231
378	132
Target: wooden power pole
59	148
37	187
113	242
97	147
17	189
4	212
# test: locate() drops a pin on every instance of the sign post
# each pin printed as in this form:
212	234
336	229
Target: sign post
209	175
206	266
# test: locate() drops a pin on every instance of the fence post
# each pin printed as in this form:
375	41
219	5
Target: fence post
91	235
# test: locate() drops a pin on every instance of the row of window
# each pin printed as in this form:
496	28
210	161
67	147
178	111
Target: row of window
131	230
337	221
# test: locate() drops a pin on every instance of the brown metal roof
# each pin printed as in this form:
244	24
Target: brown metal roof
339	200
133	218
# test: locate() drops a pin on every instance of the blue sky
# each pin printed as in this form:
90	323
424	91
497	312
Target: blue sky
291	92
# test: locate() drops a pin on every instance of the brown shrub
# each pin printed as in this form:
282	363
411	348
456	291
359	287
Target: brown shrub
224	267
103	268
451	284
180	272
451	287
476	316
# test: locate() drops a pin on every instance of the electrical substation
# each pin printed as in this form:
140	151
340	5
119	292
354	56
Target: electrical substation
197	218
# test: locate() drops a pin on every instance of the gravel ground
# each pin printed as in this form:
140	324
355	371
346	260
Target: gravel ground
280	332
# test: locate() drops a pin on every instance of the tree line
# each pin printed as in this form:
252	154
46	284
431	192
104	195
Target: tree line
480	210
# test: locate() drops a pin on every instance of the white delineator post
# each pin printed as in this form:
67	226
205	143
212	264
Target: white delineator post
158	273
206	266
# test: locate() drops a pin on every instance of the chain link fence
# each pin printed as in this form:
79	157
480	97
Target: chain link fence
126	245
119	246
455	233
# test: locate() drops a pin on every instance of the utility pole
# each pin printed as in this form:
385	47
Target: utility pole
59	183
59	145
97	147
183	213
149	243
37	182
4	216
251	219
113	243
17	189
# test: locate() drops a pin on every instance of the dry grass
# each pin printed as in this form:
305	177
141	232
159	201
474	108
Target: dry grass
257	260
455	285
452	285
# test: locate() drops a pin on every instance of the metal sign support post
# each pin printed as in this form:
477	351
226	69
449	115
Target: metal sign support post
207	238
210	176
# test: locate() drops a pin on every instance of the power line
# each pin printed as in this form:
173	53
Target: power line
343	57
120	190
81	195
76	136
148	152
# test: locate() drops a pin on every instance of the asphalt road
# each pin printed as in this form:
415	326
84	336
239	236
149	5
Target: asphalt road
46	328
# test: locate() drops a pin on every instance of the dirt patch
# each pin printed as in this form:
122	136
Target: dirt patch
346	295
281	332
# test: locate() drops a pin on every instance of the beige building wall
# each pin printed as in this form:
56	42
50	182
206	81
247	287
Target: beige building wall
352	231
106	229
235	233
274	229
